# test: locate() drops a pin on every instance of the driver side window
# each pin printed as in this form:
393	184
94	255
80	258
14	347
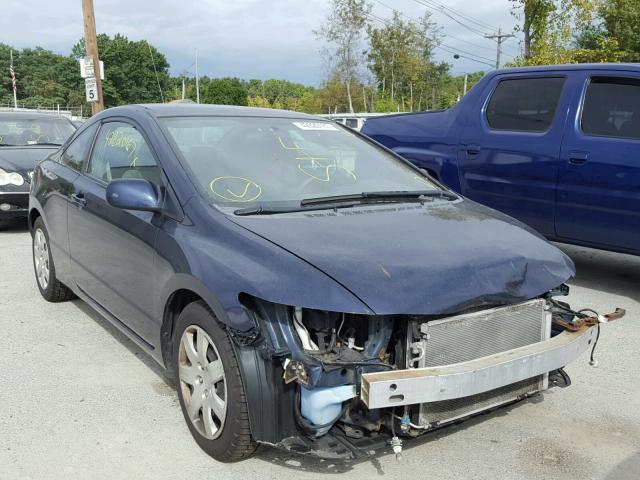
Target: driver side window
120	151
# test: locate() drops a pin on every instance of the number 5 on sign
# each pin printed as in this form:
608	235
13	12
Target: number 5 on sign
91	89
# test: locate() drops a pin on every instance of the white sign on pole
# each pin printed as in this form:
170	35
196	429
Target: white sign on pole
91	89
86	68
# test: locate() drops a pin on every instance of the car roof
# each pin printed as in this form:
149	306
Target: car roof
572	66
194	109
9	115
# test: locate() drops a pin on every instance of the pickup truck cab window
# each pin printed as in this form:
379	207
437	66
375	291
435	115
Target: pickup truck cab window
121	152
612	107
524	104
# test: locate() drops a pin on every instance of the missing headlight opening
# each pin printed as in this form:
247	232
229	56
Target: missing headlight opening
365	379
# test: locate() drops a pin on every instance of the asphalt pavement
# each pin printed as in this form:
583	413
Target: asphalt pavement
78	400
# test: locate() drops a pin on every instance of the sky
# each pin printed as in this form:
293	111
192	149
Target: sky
251	38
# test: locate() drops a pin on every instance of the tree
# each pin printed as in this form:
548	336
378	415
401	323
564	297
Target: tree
343	31
43	78
129	70
622	22
549	28
536	16
616	28
400	57
223	91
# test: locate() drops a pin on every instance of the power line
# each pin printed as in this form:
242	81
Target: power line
446	48
478	22
436	9
460	55
468	53
445	34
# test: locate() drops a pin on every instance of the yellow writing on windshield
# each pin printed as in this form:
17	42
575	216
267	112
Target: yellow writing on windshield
423	180
235	189
318	168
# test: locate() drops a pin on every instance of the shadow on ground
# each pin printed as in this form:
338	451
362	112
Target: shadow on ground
627	470
608	272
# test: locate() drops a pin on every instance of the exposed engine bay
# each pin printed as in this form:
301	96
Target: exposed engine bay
355	383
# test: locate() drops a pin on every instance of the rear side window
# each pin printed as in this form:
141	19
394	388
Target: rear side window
612	108
76	153
524	104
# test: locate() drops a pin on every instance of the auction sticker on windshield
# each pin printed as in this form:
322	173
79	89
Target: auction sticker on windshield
325	126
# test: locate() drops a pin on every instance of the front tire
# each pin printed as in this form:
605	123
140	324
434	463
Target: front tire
209	384
50	287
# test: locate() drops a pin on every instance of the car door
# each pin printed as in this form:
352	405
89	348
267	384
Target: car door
509	150
599	183
112	250
55	194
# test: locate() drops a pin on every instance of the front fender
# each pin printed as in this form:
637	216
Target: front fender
222	260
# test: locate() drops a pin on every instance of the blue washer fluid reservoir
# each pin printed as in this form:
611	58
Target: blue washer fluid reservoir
323	405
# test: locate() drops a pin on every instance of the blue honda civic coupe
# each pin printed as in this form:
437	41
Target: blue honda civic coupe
304	286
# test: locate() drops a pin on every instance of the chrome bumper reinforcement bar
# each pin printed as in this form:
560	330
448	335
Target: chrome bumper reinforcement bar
446	382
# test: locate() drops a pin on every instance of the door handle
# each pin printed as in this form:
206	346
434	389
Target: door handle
78	199
578	158
472	150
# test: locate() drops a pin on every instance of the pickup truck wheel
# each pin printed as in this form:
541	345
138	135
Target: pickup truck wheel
50	287
210	387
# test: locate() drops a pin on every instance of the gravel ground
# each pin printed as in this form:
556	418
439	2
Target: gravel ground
79	400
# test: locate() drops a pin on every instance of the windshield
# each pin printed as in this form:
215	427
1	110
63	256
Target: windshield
33	131
240	161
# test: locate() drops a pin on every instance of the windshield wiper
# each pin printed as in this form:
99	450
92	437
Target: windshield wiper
46	143
262	209
394	195
347	201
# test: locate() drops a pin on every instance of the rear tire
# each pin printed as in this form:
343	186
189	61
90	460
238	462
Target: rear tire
209	385
51	289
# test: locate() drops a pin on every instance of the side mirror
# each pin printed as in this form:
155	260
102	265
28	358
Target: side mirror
133	194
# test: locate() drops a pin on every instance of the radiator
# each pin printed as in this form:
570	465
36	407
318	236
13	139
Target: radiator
474	335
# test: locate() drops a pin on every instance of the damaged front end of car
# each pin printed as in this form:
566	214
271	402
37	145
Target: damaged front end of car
341	385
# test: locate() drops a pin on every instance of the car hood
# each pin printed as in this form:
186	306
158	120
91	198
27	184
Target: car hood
24	159
430	259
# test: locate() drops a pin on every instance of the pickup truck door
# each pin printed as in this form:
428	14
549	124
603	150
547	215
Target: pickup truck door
510	147
599	183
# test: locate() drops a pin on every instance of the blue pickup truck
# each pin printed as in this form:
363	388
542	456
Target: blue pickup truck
556	147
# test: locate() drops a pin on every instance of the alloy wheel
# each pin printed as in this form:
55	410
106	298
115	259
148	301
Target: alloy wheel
41	258
202	382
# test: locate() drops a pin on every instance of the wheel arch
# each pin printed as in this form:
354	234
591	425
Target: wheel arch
34	213
174	305
270	401
182	290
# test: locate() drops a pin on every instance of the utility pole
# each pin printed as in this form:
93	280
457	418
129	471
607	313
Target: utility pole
197	80
499	37
13	81
466	79
91	46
